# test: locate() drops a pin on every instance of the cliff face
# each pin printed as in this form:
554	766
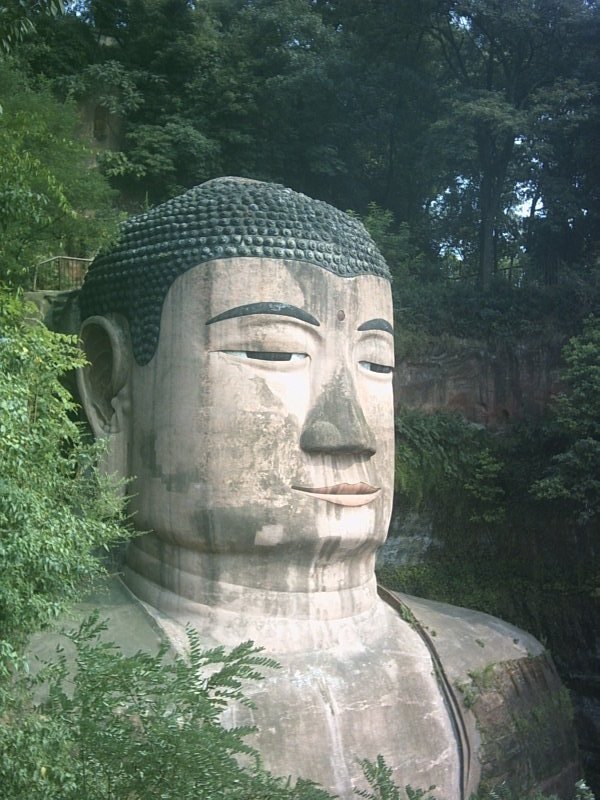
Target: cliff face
489	385
492	385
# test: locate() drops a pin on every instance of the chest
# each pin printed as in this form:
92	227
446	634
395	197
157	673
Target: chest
325	711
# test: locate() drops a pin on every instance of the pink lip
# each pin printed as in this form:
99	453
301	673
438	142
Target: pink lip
343	494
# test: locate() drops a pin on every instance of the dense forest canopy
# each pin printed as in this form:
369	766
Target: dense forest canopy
473	124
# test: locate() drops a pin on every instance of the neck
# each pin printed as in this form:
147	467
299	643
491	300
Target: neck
234	597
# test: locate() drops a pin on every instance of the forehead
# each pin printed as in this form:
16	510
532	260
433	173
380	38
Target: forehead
213	288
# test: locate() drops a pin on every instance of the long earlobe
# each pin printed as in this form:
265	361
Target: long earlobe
106	344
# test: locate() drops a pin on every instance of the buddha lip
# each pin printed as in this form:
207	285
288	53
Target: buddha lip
339	489
351	495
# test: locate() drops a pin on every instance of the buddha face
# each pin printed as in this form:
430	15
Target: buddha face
263	425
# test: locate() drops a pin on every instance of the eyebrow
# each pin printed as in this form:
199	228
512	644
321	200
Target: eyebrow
280	309
376	325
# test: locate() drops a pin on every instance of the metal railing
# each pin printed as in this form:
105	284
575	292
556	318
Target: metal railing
60	272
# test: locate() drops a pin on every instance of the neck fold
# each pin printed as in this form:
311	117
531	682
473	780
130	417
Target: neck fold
197	588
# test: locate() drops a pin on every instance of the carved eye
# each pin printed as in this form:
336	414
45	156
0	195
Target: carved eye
371	366
266	355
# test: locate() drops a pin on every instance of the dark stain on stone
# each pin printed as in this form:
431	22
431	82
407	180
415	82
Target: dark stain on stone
336	423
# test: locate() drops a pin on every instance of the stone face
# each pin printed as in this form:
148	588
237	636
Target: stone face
257	421
220	432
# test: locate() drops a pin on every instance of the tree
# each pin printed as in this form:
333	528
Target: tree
280	60
458	116
574	472
501	59
55	509
563	224
52	200
17	19
388	100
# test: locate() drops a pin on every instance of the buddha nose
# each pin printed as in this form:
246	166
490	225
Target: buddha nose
336	423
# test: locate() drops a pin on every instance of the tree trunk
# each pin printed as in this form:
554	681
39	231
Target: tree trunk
495	151
488	210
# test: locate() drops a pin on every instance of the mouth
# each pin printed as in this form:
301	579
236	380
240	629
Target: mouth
343	494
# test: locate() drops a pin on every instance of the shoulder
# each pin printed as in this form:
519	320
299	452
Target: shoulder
468	640
514	708
127	624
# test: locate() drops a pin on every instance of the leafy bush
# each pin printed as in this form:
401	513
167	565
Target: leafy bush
383	787
142	726
582	792
55	509
495	546
51	201
574	474
445	462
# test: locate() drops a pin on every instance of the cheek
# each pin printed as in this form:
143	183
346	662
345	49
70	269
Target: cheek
377	403
252	387
254	435
378	407
258	459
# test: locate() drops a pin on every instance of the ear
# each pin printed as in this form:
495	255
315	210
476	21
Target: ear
104	386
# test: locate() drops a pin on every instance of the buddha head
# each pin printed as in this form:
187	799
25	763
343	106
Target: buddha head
241	350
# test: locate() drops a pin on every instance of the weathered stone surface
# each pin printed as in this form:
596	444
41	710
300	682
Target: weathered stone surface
59	310
512	700
129	624
488	385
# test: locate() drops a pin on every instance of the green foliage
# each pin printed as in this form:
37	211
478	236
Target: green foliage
17	19
497	63
445	462
51	201
55	509
396	244
451	119
574	473
460	582
506	315
167	155
383	786
503	792
141	726
109	84
497	546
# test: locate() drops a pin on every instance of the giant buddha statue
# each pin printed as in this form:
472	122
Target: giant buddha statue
241	351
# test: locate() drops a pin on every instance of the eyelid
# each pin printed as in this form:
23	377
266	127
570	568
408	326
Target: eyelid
375	349
266	355
380	369
378	336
